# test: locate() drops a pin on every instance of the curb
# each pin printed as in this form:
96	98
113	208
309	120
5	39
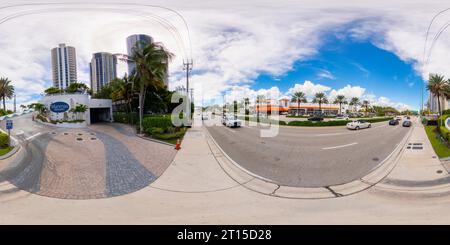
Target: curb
266	186
155	140
14	150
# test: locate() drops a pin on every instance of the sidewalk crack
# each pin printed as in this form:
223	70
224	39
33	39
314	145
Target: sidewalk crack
333	192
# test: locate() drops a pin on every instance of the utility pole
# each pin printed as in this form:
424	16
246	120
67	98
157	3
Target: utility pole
187	66
15	103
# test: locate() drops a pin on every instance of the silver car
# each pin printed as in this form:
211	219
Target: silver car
358	124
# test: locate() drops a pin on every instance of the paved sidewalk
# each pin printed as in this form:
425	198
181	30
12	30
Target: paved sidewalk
419	170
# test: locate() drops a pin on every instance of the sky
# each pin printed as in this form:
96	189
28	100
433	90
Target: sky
369	49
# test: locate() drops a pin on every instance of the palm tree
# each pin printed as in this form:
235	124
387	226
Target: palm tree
366	105
354	102
246	103
6	90
439	87
77	87
299	97
320	98
151	70
340	99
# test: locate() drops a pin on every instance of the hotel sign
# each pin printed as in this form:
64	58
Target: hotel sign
59	107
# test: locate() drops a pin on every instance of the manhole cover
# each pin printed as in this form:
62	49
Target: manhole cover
80	134
439	171
66	133
93	138
79	139
376	159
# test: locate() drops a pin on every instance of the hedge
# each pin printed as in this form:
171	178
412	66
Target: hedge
4	140
156	122
334	123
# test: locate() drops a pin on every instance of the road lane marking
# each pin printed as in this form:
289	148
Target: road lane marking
330	134
339	146
29	138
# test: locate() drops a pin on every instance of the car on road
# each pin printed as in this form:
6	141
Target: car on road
231	121
393	122
358	124
398	118
406	123
315	119
342	117
205	116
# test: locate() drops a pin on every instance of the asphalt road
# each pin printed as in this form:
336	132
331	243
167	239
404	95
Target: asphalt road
310	157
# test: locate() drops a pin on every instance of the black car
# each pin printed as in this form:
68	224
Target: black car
406	124
315	119
393	122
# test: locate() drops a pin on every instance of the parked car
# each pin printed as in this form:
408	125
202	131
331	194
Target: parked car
406	123
358	124
205	116
393	122
398	118
315	119
231	121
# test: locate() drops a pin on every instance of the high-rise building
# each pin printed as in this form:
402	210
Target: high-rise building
103	69
64	66
133	42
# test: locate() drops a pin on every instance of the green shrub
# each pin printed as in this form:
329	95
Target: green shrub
446	112
156	122
4	140
172	136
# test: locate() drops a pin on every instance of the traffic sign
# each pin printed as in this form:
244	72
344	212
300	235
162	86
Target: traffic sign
9	124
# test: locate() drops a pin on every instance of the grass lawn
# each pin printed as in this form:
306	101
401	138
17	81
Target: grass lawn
440	148
3	151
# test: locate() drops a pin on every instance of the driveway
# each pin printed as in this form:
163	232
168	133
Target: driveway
100	161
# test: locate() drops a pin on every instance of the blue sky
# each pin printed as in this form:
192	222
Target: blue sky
345	60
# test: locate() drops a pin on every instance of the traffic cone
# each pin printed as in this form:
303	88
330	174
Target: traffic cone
177	146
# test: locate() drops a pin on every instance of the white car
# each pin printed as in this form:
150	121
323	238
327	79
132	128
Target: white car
358	124
231	121
342	117
205	116
398	118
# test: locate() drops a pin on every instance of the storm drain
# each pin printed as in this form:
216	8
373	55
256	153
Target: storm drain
93	138
415	146
439	171
79	139
66	133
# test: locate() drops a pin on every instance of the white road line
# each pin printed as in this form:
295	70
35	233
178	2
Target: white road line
29	138
339	146
330	134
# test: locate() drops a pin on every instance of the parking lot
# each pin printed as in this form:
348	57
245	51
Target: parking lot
310	156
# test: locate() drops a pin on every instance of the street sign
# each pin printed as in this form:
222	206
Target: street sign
9	124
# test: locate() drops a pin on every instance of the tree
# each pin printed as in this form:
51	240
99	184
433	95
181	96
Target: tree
52	90
246	103
151	70
79	109
439	87
299	97
320	98
354	102
38	107
77	87
340	99
366	105
6	90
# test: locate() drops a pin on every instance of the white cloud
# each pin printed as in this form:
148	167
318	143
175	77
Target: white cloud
232	41
326	74
309	88
348	91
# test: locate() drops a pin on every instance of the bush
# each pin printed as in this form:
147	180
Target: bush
334	123
446	112
4	140
156	122
172	136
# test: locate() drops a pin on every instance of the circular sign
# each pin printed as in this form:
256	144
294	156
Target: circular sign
59	107
447	123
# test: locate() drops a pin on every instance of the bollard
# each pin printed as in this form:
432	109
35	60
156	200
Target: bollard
177	146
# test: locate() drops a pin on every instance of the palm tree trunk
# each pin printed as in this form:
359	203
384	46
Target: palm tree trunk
439	108
4	105
141	108
298	107
340	108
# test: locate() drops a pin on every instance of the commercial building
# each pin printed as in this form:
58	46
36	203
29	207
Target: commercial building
133	42
103	69
284	105
433	103
64	66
